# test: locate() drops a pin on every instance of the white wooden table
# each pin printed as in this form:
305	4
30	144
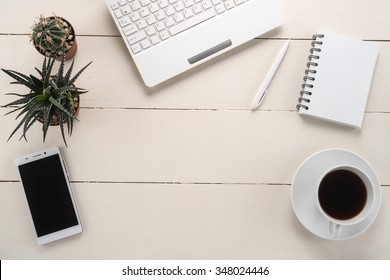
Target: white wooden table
185	170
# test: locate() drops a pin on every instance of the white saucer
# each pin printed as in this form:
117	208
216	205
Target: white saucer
303	194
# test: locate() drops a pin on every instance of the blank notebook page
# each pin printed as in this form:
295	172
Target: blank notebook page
342	80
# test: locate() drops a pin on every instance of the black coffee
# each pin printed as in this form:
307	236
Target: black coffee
342	194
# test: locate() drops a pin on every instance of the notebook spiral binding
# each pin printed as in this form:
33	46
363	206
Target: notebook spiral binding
310	72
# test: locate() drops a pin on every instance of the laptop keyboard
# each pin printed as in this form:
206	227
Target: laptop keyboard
146	23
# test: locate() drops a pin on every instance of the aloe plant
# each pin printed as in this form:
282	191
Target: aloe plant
50	96
51	35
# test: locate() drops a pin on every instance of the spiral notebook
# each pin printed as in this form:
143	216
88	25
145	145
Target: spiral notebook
338	78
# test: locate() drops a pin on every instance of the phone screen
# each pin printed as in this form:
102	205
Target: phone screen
48	195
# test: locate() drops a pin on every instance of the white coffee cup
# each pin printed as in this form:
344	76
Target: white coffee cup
345	197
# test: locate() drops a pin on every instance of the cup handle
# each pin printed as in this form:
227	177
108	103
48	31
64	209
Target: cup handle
334	230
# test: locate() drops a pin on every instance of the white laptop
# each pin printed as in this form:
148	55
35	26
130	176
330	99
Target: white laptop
168	37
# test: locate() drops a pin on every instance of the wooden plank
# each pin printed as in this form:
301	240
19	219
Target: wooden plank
361	19
87	16
153	221
198	146
366	19
227	82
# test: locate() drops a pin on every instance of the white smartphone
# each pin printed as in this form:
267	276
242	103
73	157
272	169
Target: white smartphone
49	195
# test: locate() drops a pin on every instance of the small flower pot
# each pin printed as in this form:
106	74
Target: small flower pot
55	121
70	44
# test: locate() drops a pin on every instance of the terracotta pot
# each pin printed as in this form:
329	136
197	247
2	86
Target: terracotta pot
71	42
75	110
71	52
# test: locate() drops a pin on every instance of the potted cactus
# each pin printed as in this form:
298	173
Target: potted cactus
54	36
52	99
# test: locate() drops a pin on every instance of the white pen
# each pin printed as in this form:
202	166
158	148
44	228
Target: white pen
264	86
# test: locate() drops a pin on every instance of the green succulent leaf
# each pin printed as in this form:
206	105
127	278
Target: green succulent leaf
61	120
48	113
24	109
20	101
15	110
43	68
32	111
47	73
73	80
60	74
68	74
59	106
28	124
39	71
21	79
37	82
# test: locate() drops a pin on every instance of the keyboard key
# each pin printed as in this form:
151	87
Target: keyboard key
160	26
130	29
229	4
220	8
135	5
136	48
114	5
188	13
136	37
170	11
192	21
154	7
144	12
150	30
160	15
126	10
151	19
124	21
206	4
118	13
197	8
155	39
135	16
178	17
239	2
162	3
188	3
145	2
164	34
179	6
169	21
145	43
141	23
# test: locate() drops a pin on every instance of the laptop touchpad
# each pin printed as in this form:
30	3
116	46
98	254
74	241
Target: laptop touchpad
210	51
